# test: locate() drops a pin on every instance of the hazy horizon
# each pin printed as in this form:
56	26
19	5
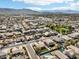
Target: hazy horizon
40	5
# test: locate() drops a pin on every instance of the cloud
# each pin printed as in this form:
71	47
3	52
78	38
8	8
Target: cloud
35	8
74	4
51	4
54	8
43	2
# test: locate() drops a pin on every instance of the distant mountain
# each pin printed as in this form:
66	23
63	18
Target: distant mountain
61	11
10	11
17	11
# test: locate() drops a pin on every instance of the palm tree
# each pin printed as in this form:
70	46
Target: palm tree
25	50
67	43
10	54
4	43
74	41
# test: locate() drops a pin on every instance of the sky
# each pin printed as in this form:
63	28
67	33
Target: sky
40	5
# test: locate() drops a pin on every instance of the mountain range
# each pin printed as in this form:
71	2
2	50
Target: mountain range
29	11
17	11
63	11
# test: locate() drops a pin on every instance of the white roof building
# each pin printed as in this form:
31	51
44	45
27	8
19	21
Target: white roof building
60	55
66	37
75	49
74	35
39	44
69	53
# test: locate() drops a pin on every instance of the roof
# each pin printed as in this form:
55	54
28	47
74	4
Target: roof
75	49
74	35
60	55
47	41
66	37
2	53
39	44
58	39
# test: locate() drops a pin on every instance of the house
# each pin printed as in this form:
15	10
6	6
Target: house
39	45
74	35
75	49
3	55
69	53
9	34
60	55
65	37
29	37
48	57
48	42
20	39
57	39
77	44
51	33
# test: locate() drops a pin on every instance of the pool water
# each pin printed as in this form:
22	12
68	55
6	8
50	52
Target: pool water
47	55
